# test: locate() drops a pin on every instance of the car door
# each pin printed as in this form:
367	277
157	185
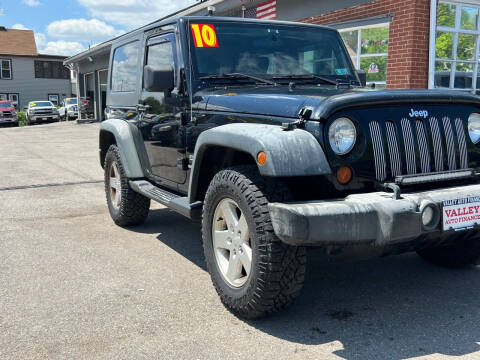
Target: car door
161	126
62	111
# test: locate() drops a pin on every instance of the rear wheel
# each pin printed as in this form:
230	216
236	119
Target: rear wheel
126	207
254	273
463	252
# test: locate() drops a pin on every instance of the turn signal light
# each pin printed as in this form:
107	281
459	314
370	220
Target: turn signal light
344	175
261	158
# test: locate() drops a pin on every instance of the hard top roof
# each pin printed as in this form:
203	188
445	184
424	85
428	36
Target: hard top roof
206	19
105	46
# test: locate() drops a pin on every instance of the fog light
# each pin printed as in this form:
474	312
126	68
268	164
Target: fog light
430	216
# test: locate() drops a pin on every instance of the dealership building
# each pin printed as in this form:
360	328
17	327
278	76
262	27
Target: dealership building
399	43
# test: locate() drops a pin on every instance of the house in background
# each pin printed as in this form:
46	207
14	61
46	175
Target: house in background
26	75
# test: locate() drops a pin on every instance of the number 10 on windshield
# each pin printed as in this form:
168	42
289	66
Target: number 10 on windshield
204	35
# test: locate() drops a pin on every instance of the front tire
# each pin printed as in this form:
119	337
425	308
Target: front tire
464	251
126	207
254	273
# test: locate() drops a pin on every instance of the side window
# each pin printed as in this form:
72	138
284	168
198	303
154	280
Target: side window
158	54
125	68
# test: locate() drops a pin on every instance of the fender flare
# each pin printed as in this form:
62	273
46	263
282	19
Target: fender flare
289	153
125	142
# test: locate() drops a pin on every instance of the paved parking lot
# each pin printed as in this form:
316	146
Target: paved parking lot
75	286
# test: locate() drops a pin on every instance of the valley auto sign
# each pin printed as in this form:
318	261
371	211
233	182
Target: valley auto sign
461	214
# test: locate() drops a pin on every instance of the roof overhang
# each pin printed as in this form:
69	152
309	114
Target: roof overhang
103	48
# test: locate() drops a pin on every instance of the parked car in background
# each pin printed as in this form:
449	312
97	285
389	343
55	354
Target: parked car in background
41	111
69	109
8	113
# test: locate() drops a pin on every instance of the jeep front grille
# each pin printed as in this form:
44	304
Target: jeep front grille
418	146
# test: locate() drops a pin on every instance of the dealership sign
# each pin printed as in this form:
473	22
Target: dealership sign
461	214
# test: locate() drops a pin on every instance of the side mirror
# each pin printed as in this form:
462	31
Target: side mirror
158	78
362	76
25	108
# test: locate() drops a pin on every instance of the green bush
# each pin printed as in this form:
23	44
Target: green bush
22	119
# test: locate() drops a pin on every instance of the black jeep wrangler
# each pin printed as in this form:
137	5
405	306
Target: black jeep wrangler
266	133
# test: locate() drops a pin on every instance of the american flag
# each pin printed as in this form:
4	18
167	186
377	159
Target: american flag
266	10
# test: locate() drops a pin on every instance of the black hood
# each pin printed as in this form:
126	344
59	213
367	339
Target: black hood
324	101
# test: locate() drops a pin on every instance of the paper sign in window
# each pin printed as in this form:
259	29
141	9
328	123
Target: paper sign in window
204	35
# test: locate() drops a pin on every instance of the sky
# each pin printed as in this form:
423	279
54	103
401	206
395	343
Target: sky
67	27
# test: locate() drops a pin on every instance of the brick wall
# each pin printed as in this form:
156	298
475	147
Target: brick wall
408	40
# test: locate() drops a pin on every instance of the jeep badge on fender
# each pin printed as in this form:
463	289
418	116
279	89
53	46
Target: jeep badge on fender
265	133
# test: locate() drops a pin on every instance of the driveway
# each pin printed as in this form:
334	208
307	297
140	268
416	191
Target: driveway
75	286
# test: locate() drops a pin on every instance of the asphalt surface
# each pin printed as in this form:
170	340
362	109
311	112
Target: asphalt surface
75	286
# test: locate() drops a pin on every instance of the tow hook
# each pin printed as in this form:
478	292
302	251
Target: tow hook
397	192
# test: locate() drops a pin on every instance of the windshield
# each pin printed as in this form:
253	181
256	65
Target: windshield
6	104
268	51
40	104
71	101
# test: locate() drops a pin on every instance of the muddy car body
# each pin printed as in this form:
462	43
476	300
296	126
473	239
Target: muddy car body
264	132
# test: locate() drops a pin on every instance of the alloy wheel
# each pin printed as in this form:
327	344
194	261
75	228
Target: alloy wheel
231	242
115	186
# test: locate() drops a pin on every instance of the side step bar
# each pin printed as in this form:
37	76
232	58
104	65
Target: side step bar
173	201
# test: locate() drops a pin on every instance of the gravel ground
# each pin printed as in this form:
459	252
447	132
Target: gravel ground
75	286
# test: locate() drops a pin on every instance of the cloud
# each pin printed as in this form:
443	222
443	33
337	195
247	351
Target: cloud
40	40
31	2
82	30
20	27
60	47
132	13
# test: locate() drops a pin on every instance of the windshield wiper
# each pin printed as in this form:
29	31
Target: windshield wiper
237	76
306	77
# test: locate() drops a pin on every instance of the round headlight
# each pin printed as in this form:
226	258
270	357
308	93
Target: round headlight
342	136
474	127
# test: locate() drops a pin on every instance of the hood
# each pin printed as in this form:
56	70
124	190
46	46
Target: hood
324	101
270	101
43	108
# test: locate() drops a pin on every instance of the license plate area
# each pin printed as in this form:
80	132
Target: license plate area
461	214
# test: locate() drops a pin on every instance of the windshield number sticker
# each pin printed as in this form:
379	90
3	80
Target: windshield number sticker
204	35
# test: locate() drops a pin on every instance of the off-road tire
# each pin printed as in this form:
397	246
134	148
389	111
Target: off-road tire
464	251
277	270
134	207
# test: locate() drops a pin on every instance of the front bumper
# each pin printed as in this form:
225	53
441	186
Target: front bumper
38	118
373	218
8	120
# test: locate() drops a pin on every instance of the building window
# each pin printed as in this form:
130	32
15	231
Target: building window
368	48
51	70
124	68
5	69
456	46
